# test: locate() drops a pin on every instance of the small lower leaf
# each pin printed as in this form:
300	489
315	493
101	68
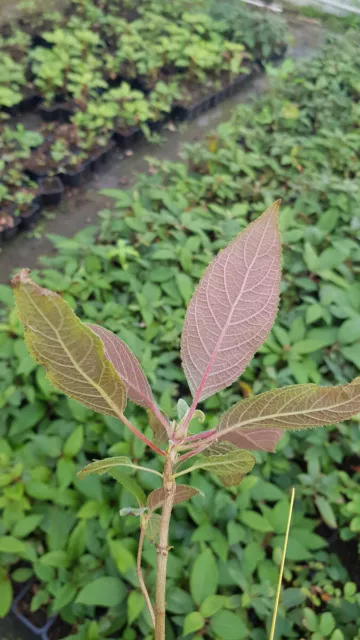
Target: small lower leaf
326	511
183	492
227	462
193	622
129	484
151	526
102	466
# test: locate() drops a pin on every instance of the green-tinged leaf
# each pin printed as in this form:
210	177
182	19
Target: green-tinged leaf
152	526
6	596
26	525
123	557
352	354
103	592
182	408
74	442
230	466
193	622
326	511
295	407
204	577
129	484
157	427
9	544
327	623
178	601
103	466
77	541
183	492
292	597
228	626
310	618
57	559
63	597
21	575
71	353
185	285
256	521
90	509
135	605
211	605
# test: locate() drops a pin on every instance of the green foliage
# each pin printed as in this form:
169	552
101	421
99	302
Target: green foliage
127	273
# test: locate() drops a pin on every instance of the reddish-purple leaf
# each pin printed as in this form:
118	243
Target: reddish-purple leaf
255	439
128	367
183	492
233	308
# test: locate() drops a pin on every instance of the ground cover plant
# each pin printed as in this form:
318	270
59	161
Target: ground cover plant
133	273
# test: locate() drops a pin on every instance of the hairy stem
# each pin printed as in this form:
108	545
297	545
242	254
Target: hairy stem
163	548
141	578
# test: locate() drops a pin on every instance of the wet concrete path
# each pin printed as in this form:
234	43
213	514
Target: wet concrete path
80	208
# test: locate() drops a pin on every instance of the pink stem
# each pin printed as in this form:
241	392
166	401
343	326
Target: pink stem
201	436
141	437
195	452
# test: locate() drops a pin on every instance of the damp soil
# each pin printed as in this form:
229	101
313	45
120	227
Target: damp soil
80	206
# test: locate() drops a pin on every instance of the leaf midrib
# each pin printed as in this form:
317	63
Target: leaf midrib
82	373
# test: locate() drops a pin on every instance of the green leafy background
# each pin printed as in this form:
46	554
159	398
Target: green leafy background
134	272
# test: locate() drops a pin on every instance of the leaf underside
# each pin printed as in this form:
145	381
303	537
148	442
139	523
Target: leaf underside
71	353
233	308
227	462
183	492
102	466
294	407
254	439
129	369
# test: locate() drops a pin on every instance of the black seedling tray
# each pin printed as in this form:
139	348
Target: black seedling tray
51	191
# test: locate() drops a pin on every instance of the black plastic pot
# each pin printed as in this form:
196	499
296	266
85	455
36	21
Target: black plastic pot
37	174
182	112
56	112
51	191
65	630
39	41
27	104
99	159
76	178
127	139
30	217
10	232
274	57
37	631
158	125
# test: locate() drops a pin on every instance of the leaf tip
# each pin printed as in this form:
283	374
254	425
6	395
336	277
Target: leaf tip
20	278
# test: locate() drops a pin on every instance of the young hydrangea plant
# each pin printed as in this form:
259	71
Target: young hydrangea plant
228	319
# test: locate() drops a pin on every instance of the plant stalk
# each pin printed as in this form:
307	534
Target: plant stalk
141	578
169	485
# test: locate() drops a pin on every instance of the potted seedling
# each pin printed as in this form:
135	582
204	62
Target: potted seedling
96	124
228	319
132	112
8	223
215	69
161	100
14	85
16	45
